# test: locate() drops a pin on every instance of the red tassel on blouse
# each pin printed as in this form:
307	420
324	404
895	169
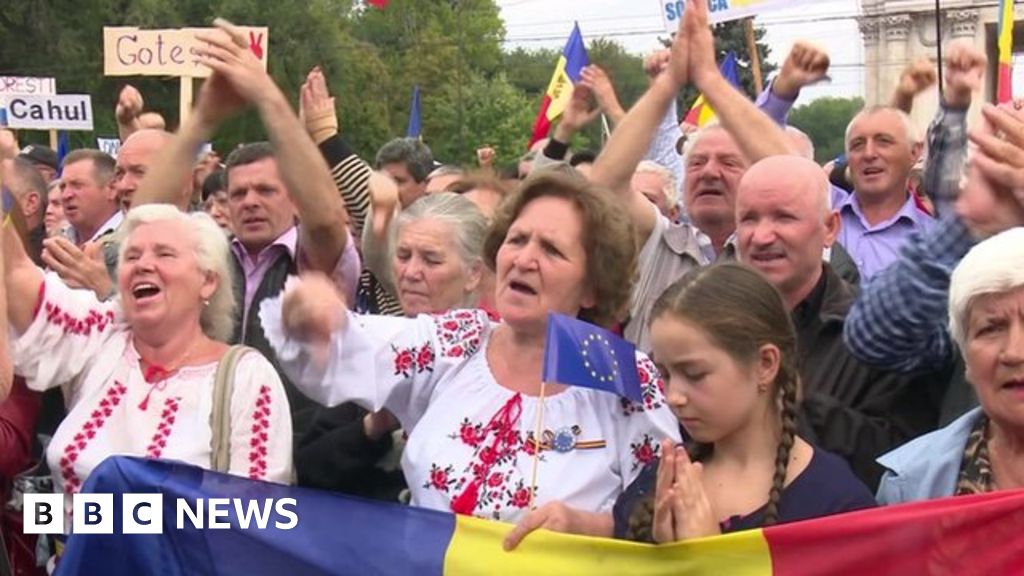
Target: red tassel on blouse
500	426
153	376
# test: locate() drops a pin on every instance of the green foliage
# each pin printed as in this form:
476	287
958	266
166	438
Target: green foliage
492	112
825	120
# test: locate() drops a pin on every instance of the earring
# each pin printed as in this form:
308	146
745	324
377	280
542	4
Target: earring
206	302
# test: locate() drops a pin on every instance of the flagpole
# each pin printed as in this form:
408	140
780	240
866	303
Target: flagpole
536	444
755	56
938	43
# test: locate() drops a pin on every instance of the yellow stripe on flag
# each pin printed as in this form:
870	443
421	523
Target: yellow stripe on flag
560	90
1006	32
476	548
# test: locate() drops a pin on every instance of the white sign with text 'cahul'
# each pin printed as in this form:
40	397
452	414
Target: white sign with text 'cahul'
50	112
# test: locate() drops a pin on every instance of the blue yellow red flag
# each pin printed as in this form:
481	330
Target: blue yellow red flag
568	72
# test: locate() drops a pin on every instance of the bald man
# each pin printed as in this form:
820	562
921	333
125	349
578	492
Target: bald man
784	221
134	158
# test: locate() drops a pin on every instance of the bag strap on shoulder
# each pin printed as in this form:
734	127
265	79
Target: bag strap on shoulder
220	415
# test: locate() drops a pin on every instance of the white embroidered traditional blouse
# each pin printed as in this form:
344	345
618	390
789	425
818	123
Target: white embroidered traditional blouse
83	343
470	440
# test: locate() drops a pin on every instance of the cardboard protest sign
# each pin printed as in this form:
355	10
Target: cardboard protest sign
129	51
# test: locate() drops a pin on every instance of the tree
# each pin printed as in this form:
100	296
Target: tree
494	112
825	120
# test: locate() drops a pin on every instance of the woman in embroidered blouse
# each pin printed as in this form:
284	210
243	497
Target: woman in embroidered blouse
726	345
139	370
983	450
465	389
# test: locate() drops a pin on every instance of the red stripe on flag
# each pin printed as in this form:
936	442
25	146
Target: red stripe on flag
693	116
377	3
963	535
1004	91
541	126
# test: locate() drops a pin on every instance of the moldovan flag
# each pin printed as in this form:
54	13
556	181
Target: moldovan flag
567	74
701	112
1004	84
335	534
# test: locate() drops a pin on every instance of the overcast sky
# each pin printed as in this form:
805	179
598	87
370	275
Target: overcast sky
637	24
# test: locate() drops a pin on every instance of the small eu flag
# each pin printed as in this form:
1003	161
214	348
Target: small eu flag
580	354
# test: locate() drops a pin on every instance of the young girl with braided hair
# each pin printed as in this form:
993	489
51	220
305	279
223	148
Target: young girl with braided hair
726	347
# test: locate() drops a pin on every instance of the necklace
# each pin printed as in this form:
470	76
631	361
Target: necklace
156	375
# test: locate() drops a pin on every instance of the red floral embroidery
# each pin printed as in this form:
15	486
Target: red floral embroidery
644	452
163	430
72	483
425	358
519	497
260	430
488	456
459	333
77	326
470	434
497	446
404	362
413	360
440	478
496	479
652	387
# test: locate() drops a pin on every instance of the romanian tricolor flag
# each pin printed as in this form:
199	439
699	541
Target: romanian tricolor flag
567	74
333	534
701	112
1004	86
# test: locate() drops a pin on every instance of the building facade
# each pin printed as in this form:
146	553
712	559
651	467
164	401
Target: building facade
896	32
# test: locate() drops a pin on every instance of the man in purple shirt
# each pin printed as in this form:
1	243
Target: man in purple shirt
881	213
283	205
879	216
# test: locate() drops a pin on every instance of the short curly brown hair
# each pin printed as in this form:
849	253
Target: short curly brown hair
608	239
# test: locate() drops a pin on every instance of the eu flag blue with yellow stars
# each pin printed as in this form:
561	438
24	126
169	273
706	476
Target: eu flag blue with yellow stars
578	353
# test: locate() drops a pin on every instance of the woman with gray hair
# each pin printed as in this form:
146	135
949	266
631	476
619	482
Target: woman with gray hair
141	370
983	450
430	254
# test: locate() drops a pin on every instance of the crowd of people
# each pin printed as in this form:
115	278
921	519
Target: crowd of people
811	339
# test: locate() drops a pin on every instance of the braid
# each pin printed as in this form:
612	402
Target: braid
789	409
640	525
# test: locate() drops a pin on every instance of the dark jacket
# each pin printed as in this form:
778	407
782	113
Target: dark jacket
335	454
302	408
849	408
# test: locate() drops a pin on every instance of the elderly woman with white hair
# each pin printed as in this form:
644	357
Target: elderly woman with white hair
983	450
139	372
429	254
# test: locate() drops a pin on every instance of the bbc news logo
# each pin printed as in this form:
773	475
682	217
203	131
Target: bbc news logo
144	514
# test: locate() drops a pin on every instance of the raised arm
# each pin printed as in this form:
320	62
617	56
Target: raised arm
629	142
6	368
757	135
301	167
805	64
947	135
169	179
917	77
351	174
22	282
